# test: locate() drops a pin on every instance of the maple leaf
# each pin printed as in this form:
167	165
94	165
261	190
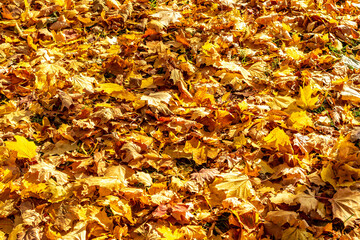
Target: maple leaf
205	174
300	120
236	184
158	101
132	151
294	53
193	232
280	102
7	208
308	202
197	149
45	171
117	91
23	147
60	148
113	4
167	16
234	67
279	140
169	234
281	217
346	205
296	234
306	100
283	197
328	175
143	178
82	82
47	75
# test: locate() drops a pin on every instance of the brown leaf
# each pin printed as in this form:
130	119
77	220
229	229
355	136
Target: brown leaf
205	174
346	205
281	217
66	100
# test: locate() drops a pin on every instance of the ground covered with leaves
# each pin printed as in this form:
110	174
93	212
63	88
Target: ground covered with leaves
195	119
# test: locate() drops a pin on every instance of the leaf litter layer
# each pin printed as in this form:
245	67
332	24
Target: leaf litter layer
179	119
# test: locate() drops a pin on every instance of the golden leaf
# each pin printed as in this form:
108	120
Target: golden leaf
236	184
279	140
170	234
306	101
294	53
23	147
328	175
300	120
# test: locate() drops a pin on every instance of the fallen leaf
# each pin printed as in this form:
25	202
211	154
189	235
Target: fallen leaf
296	234
23	147
306	100
170	234
282	217
300	120
205	174
346	205
167	16
45	171
236	184
279	140
158	101
307	202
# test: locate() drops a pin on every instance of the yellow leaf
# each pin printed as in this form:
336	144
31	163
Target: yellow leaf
328	175
239	141
286	27
30	42
202	97
7	208
197	150
64	131
325	37
58	192
117	91
23	147
306	101
110	87
279	140
32	189
193	232
308	202
243	106
147	83
169	234
283	71
294	53
207	46
120	207
236	184
18	229
296	38
280	102
300	120
283	197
